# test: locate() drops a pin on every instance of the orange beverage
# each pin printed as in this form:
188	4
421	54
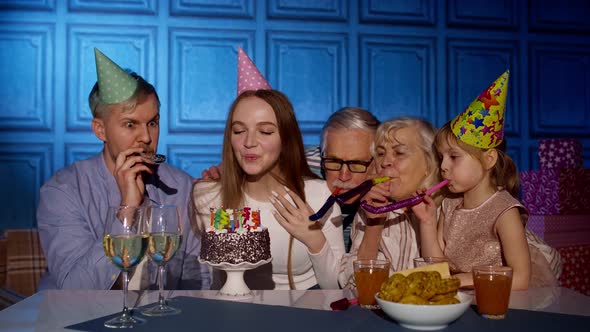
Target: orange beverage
492	290
369	275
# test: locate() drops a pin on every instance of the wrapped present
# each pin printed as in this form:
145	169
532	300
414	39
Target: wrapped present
556	191
561	230
576	268
559	153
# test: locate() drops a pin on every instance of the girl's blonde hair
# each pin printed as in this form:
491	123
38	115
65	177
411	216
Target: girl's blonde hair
504	173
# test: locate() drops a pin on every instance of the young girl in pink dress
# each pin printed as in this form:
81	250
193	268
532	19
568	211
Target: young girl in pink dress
483	223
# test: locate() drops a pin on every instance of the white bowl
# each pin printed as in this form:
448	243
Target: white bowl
425	317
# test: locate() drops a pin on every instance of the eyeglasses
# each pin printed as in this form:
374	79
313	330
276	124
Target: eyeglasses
355	166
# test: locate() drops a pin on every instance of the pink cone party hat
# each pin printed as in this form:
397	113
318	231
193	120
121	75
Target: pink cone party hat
114	84
249	77
481	124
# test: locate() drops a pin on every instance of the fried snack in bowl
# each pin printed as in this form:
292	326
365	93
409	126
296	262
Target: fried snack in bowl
423	300
428	316
423	286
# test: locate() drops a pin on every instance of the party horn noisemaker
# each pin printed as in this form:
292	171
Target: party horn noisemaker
403	203
329	202
365	186
361	188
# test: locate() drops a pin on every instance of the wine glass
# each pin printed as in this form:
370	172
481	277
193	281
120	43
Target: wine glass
164	225
125	241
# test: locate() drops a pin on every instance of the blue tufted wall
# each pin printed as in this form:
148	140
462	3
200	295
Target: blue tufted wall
401	57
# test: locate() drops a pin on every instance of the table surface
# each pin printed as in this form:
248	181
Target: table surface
52	310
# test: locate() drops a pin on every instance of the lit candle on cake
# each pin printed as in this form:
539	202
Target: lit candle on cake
212	210
239	219
230	215
256	218
246	215
217	223
224	220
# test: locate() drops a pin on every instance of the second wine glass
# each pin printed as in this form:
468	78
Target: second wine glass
163	222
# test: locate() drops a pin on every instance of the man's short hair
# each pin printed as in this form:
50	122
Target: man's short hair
349	118
100	109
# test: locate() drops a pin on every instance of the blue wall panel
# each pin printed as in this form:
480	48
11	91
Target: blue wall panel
135	7
563	15
406	57
483	13
213	8
80	151
473	67
336	10
560	84
396	76
26	97
312	72
203	79
131	47
194	158
48	5
23	168
399	11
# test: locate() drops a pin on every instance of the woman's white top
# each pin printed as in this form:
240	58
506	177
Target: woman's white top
308	269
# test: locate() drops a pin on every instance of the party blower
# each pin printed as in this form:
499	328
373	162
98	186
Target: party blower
155	158
360	189
403	203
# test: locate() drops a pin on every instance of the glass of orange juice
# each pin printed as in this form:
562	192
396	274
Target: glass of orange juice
369	274
492	290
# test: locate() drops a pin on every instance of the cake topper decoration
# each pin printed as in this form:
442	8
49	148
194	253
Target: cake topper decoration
234	220
249	77
114	84
481	124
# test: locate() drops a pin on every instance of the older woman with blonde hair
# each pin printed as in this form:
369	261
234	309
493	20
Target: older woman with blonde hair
402	150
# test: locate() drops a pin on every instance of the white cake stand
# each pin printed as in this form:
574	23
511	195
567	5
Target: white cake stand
235	287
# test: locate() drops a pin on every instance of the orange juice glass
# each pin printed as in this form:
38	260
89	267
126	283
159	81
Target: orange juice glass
492	290
369	274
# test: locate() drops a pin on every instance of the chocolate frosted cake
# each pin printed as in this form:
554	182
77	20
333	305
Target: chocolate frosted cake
235	248
235	236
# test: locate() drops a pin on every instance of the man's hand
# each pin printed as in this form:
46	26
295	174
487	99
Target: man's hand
213	173
129	167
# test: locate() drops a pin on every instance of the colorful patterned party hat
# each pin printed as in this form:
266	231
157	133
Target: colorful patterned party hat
249	78
481	124
114	84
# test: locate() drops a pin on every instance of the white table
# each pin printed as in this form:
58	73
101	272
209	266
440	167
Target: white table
53	309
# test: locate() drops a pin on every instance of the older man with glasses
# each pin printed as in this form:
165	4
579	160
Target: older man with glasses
345	140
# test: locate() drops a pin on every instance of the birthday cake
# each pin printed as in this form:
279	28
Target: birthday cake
235	236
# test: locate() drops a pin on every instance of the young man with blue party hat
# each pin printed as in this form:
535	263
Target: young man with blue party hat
74	202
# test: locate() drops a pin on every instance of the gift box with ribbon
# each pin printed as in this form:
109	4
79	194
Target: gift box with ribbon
576	268
556	153
556	191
